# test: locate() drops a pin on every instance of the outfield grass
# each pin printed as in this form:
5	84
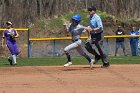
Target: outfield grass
55	61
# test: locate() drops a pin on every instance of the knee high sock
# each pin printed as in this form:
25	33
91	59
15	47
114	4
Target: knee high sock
68	56
10	57
14	58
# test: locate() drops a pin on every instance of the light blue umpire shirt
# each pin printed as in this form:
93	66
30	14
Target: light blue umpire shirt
96	22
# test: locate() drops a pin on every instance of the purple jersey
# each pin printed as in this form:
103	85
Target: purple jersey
10	41
9	35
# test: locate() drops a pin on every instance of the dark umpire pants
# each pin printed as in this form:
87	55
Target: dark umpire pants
97	40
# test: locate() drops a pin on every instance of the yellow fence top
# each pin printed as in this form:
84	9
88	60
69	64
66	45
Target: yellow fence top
119	36
69	38
18	29
47	39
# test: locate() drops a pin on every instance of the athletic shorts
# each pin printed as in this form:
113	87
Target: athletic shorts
120	45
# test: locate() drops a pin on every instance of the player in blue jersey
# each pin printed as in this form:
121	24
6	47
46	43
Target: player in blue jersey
76	30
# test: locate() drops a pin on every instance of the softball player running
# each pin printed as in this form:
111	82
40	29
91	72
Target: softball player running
9	36
76	30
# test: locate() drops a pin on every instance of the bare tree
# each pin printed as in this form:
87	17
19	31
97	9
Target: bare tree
24	12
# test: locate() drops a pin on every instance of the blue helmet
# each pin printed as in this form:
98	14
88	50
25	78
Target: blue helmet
76	17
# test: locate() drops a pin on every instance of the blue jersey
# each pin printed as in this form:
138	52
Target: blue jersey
134	39
139	40
75	31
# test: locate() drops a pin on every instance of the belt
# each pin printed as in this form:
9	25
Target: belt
75	40
94	32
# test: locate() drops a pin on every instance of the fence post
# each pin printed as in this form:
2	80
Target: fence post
54	50
107	51
29	45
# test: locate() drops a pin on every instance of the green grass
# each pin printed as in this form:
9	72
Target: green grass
59	61
56	23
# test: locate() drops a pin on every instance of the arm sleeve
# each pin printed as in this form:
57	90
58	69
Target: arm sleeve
81	29
99	23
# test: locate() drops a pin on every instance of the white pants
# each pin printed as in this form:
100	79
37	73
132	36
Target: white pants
75	45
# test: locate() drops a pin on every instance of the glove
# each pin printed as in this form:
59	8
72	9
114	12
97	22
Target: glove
12	34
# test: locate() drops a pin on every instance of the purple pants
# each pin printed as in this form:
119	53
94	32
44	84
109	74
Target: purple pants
13	48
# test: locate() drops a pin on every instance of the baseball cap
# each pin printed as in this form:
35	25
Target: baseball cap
119	26
9	23
92	8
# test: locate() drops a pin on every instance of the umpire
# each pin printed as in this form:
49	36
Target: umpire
95	31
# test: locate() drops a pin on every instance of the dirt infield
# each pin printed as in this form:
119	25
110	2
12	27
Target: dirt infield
75	79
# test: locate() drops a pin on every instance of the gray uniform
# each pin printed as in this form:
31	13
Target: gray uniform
77	42
76	33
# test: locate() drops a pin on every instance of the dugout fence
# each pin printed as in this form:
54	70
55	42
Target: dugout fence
41	47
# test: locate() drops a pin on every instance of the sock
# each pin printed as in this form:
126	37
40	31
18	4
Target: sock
69	58
10	57
14	58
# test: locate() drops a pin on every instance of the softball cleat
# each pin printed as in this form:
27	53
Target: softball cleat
68	64
91	63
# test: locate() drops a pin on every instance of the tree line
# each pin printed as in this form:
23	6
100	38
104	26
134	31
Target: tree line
25	12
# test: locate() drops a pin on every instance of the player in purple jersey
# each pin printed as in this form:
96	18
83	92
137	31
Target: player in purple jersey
9	36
